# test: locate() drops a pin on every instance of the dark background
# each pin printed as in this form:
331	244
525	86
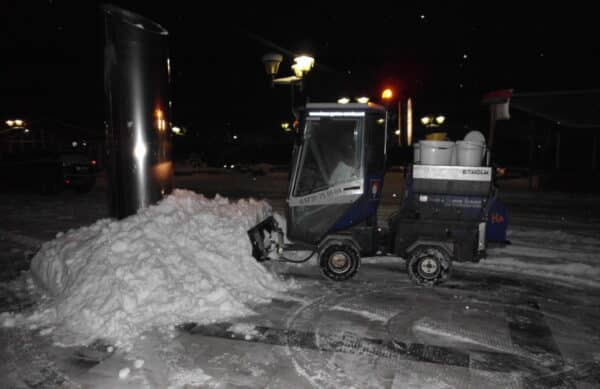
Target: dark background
445	55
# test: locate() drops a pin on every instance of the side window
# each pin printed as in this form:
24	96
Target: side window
376	156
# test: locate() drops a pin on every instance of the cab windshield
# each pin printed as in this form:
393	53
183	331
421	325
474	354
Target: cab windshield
331	154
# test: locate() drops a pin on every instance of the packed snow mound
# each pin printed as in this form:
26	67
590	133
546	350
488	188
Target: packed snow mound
186	259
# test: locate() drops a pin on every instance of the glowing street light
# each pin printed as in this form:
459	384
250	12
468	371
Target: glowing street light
285	126
362	100
433	121
303	63
343	100
15	123
387	94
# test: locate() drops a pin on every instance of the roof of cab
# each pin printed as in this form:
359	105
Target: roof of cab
349	106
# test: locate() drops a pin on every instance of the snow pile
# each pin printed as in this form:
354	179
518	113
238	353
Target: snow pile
186	259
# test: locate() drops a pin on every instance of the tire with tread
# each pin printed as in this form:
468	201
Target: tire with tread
339	261
428	266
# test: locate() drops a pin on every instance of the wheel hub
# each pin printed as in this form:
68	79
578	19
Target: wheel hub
339	262
428	268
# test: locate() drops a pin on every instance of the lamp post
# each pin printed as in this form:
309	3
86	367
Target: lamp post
302	65
432	121
15	125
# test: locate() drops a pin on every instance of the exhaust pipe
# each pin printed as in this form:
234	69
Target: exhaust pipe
138	130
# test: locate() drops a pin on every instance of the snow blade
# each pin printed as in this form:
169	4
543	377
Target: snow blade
260	237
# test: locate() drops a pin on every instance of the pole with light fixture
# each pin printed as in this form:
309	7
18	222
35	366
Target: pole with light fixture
431	121
15	125
302	65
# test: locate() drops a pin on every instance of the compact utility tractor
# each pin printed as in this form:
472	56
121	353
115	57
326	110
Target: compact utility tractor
335	188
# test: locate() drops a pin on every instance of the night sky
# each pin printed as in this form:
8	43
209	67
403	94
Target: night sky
445	55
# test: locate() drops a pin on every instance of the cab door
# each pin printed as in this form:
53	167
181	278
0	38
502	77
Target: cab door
328	176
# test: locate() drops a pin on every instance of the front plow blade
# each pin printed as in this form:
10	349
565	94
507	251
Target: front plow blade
261	238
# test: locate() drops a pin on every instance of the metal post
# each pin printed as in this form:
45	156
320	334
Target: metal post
136	81
532	184
595	153
492	128
557	155
400	122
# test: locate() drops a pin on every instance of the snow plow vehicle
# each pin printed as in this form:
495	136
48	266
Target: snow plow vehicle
335	188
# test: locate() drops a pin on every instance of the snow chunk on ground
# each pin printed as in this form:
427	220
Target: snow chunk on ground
248	330
186	378
186	259
124	373
10	319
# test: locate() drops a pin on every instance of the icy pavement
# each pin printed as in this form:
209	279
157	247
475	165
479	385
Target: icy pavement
479	330
526	317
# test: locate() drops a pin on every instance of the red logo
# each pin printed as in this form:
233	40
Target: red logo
497	218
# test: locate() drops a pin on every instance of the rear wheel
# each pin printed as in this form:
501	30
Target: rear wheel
428	266
339	261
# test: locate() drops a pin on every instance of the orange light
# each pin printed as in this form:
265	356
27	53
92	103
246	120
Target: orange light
158	113
387	94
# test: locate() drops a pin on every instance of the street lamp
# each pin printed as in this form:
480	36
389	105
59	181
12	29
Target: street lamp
15	123
302	65
387	94
430	121
272	62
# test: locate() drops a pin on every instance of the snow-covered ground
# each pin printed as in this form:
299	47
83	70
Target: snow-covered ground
171	297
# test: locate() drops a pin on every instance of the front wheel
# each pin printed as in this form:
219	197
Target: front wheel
428	266
339	261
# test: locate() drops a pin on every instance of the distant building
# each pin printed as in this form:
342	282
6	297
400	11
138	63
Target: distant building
46	135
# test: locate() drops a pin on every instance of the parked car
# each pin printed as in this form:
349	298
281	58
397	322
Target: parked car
78	171
47	172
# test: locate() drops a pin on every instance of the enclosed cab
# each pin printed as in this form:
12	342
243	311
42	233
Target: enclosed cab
337	173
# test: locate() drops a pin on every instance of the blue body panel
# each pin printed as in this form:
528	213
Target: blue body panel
497	222
365	207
